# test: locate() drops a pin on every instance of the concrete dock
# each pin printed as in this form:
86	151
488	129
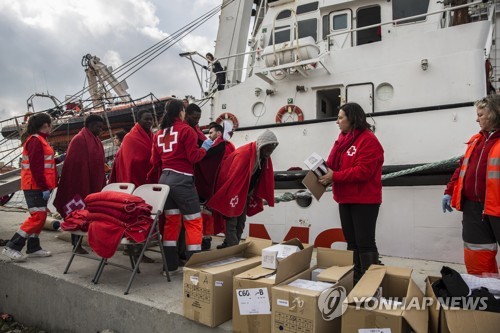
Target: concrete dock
37	293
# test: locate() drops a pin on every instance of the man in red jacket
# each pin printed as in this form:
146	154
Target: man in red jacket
245	179
83	169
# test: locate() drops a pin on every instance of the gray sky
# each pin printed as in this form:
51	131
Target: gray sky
43	41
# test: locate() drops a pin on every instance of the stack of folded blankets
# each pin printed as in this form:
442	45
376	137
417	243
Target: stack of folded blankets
109	216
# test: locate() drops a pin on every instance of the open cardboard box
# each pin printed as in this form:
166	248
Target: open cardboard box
444	319
208	280
296	307
252	289
396	282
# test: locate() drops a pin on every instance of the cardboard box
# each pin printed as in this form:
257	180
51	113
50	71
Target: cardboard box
252	289
208	280
316	164
391	283
444	319
273	254
296	306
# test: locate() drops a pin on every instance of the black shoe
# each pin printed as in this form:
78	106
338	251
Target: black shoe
206	243
222	246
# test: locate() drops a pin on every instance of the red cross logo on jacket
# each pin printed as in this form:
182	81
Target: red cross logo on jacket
351	151
172	140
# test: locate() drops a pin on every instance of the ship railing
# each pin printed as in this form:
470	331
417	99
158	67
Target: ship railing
396	22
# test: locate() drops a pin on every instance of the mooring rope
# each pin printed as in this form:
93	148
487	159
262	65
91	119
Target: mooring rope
288	196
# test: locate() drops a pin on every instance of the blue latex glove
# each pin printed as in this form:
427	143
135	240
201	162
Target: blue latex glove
46	195
447	203
207	144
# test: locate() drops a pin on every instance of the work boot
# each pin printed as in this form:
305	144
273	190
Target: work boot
222	246
367	259
206	243
172	257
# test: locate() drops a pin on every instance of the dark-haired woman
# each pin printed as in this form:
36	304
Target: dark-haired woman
217	69
38	178
355	171
175	151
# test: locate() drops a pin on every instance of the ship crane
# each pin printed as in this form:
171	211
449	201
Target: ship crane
101	80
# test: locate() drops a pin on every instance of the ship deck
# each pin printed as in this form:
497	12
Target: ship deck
37	293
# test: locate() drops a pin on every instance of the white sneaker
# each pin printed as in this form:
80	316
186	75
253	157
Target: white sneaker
13	254
40	253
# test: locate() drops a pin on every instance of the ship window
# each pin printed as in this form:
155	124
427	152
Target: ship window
284	14
340	22
308	28
281	34
328	102
306	8
326	26
368	16
407	8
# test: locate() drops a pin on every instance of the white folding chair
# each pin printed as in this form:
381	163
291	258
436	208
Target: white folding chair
156	196
50	202
118	187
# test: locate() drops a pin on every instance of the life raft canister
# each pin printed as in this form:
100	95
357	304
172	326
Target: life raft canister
289	108
230	116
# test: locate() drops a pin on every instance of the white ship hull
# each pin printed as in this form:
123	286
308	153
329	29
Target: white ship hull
417	83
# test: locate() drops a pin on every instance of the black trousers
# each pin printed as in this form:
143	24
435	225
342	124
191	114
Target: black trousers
358	224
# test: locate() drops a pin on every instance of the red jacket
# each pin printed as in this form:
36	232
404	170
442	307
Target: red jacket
38	164
474	185
356	160
175	149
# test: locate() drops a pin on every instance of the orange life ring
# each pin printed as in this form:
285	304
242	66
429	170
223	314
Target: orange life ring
230	116
289	108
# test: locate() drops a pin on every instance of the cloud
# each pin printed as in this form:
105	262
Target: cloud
44	42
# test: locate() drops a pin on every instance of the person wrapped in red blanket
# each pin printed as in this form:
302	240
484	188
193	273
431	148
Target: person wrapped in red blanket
204	175
83	169
245	178
132	162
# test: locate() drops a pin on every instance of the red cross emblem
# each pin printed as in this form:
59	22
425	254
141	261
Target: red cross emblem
171	140
351	151
75	204
234	201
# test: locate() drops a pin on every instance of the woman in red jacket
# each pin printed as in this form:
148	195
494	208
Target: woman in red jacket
474	189
175	151
355	169
38	178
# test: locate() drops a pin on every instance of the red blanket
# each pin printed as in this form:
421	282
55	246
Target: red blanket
76	220
206	169
105	234
132	162
83	170
233	182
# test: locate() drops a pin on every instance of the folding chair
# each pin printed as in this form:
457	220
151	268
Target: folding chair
118	187
154	195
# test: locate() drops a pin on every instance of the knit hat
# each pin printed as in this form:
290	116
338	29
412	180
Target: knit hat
266	138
